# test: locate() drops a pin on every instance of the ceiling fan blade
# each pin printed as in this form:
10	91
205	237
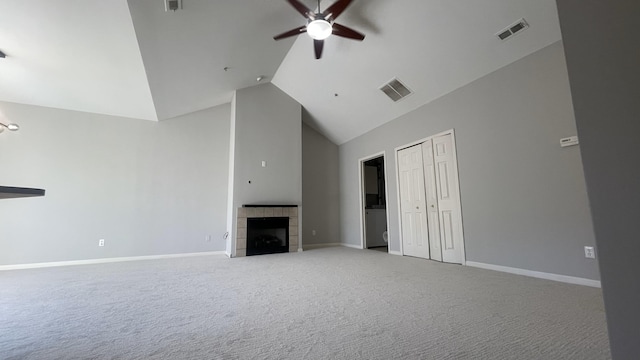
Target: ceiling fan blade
333	11
343	31
318	45
290	33
302	9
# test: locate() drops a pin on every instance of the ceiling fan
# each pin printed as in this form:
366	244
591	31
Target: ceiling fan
320	25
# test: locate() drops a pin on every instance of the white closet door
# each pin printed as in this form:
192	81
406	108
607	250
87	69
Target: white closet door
415	240
433	215
450	218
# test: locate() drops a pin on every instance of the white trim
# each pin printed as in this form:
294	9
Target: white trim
397	171
351	246
537	274
361	162
320	246
457	182
395	253
105	260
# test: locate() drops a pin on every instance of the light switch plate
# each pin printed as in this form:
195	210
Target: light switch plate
589	252
569	141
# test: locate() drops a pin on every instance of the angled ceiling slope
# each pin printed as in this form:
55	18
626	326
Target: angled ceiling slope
133	59
432	46
77	55
186	52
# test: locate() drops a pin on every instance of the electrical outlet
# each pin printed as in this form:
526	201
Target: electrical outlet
313	232
589	252
101	242
207	238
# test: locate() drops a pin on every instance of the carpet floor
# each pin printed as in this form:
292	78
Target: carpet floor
331	303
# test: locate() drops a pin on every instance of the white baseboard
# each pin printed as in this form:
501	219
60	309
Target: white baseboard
395	252
537	274
319	246
105	260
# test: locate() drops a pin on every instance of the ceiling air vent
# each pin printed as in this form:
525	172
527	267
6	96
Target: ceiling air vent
172	5
395	90
512	29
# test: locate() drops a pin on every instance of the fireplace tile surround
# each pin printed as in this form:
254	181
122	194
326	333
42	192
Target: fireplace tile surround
265	211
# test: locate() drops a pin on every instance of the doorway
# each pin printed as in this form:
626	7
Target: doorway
373	203
429	198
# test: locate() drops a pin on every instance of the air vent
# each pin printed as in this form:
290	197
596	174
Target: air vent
395	90
512	29
172	5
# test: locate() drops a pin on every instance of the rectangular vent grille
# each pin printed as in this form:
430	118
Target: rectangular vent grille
395	90
172	5
512	29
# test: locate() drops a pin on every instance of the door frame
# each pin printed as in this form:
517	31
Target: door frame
363	230
456	179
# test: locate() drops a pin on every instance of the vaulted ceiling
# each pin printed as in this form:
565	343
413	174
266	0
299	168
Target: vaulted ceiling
134	59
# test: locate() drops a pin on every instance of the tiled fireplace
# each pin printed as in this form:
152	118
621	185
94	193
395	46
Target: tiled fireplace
266	212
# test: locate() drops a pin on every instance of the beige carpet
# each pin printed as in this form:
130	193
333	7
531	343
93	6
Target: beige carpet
333	303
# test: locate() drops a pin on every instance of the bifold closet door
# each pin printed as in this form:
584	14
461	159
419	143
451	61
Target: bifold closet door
433	215
448	202
415	240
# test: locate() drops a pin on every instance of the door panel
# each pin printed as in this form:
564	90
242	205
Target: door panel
433	221
412	202
448	200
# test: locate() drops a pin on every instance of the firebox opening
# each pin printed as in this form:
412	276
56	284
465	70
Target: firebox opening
267	235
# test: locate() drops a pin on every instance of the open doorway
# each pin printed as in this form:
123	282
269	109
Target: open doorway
373	203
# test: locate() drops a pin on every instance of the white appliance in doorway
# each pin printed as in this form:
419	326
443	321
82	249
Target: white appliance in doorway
430	208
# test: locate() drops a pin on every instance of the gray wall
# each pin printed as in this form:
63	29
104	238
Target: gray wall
603	56
320	188
524	202
147	188
267	126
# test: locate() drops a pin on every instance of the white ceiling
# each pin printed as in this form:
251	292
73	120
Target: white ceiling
77	55
133	59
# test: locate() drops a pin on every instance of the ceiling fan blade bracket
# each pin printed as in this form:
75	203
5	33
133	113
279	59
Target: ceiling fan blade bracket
292	32
302	9
332	12
346	32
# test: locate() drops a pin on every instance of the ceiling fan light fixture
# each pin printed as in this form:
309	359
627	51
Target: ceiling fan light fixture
319	29
10	127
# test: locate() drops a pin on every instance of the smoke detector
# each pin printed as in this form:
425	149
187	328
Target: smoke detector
513	29
395	90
